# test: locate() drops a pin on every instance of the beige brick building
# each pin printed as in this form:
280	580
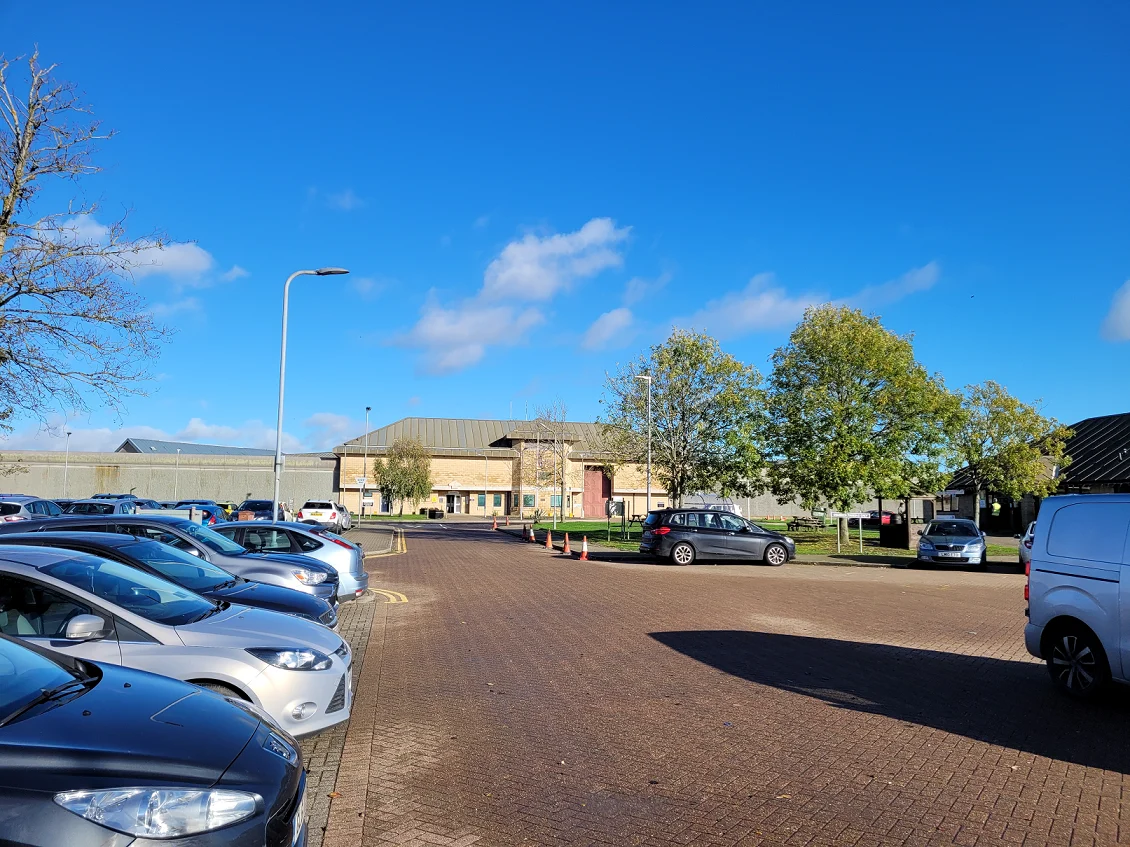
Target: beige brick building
499	467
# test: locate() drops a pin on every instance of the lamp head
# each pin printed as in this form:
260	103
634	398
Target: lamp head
330	271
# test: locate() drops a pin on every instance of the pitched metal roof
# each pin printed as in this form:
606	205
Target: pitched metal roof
468	433
152	446
1099	451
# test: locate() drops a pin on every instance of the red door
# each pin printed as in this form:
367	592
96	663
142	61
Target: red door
598	489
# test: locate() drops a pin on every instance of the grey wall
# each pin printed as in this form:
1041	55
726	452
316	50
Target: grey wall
213	477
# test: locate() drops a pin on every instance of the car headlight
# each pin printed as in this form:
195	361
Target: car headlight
925	545
292	658
160	812
789	541
308	577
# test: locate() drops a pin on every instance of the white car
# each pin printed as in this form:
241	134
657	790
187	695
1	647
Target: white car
1077	591
324	513
1025	547
295	670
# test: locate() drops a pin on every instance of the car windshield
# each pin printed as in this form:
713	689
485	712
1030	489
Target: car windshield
179	567
255	506
953	529
211	540
91	509
24	675
151	597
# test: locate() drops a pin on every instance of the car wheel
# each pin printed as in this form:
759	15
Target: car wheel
222	690
1076	661
682	554
776	555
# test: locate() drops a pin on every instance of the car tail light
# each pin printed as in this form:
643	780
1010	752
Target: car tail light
340	543
1027	578
663	530
300	514
333	515
10	518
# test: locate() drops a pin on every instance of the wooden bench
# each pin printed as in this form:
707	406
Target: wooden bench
804	523
636	519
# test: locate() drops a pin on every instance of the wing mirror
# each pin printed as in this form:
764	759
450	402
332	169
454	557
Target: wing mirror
919	532
192	551
86	628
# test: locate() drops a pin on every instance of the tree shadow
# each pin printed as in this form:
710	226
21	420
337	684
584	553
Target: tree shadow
1002	702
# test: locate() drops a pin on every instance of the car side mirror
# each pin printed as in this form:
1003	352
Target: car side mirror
192	551
984	535
86	628
919	532
1017	537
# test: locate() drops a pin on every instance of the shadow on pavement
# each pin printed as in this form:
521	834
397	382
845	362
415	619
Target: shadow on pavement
1007	703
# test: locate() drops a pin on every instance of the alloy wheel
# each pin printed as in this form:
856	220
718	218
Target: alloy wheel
776	555
1074	665
683	554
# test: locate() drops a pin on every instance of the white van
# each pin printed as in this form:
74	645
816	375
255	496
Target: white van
1078	591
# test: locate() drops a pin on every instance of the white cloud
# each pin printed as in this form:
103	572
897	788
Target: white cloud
638	287
185	262
344	201
368	287
456	338
85	229
761	305
1116	325
325	430
234	273
536	268
163	310
612	329
911	282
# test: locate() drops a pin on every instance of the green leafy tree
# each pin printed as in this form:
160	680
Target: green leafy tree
705	407
1007	446
852	414
404	472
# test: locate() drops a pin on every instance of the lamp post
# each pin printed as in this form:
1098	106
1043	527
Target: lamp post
282	378
176	475
647	378
486	482
66	463
365	462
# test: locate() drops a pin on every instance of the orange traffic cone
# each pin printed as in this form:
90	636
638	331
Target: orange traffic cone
533	540
584	548
508	520
549	539
495	525
565	551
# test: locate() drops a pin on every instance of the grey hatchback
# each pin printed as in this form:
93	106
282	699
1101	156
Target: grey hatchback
683	535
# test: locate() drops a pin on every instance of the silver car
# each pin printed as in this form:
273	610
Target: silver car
21	507
297	671
952	541
298	572
101	506
1025	547
345	557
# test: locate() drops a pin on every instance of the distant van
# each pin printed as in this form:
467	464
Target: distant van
1078	591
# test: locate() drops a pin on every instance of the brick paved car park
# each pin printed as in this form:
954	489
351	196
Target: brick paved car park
522	698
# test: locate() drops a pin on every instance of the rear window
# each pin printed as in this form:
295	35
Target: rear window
652	519
318	504
91	509
255	506
9	508
1092	531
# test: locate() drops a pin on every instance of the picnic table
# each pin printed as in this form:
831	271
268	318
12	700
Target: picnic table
636	519
804	523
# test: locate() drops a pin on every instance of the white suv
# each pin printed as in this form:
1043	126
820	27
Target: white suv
1080	565
324	513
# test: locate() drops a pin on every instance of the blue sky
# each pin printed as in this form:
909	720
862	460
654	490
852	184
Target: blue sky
527	194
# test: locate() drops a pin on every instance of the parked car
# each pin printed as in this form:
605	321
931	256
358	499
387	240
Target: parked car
324	513
20	507
683	535
952	541
104	506
1024	549
185	570
261	509
346	518
89	750
91	608
345	557
62	502
1078	607
113	497
228	508
209	515
146	503
290	571
184	504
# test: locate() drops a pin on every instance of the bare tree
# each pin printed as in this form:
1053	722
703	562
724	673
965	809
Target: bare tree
73	330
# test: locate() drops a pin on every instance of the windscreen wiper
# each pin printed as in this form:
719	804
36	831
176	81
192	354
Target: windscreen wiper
48	694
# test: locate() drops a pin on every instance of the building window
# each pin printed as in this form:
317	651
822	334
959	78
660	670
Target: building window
555	501
528	500
483	500
497	500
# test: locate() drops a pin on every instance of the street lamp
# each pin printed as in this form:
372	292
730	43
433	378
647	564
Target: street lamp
282	378
66	463
647	378
176	475
365	462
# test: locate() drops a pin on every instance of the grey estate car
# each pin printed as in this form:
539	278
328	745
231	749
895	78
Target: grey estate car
295	670
298	572
952	541
683	535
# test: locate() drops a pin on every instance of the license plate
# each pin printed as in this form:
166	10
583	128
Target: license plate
316	514
950	555
299	819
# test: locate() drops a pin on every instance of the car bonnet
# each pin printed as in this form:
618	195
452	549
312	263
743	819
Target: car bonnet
243	626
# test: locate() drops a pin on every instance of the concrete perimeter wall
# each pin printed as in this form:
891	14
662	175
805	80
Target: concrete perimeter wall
224	478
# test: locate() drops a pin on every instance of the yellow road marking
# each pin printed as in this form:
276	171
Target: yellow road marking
391	596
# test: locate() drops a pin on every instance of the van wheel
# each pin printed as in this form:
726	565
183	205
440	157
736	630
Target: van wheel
776	555
682	554
1076	661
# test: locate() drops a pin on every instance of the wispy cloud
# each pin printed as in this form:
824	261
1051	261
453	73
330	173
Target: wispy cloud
612	329
234	273
346	200
253	433
532	268
482	222
163	310
368	287
1116	325
328	429
911	282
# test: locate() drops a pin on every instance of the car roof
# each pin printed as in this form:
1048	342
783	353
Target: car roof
18	498
31	557
57	539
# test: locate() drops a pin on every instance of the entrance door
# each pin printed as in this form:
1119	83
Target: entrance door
598	490
455	504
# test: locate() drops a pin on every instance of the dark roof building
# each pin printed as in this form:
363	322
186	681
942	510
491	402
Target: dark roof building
186	448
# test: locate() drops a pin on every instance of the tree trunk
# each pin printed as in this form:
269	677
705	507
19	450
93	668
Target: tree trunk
977	507
845	532
401	507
